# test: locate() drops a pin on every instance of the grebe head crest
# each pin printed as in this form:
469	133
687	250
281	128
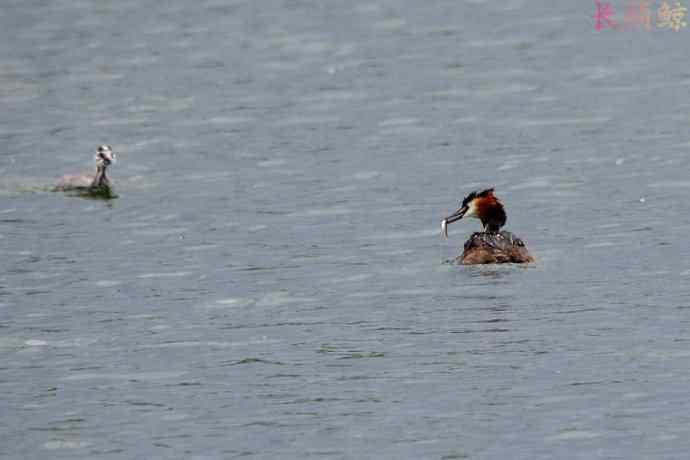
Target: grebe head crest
483	205
104	155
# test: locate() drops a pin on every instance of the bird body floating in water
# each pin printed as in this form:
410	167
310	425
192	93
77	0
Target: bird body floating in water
90	184
492	245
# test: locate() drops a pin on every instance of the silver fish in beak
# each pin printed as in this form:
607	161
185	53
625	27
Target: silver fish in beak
457	215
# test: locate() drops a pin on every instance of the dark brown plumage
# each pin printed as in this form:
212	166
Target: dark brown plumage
494	248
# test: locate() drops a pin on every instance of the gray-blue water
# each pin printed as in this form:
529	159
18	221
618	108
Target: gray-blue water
271	282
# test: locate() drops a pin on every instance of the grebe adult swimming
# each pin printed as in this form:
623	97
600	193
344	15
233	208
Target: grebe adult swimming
97	184
490	246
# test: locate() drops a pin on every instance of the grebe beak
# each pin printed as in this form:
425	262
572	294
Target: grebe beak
457	215
107	158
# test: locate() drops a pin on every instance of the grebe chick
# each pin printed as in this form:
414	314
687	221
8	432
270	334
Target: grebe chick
490	246
97	184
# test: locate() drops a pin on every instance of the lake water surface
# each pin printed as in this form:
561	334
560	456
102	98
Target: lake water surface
271	282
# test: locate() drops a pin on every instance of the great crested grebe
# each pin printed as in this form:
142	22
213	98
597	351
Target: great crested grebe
97	184
490	246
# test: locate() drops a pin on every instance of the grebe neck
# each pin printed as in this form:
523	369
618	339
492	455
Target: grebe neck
493	217
100	179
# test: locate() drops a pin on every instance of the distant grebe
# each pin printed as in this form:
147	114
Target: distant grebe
87	183
490	246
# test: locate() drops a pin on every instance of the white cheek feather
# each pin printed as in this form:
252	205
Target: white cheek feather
471	210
